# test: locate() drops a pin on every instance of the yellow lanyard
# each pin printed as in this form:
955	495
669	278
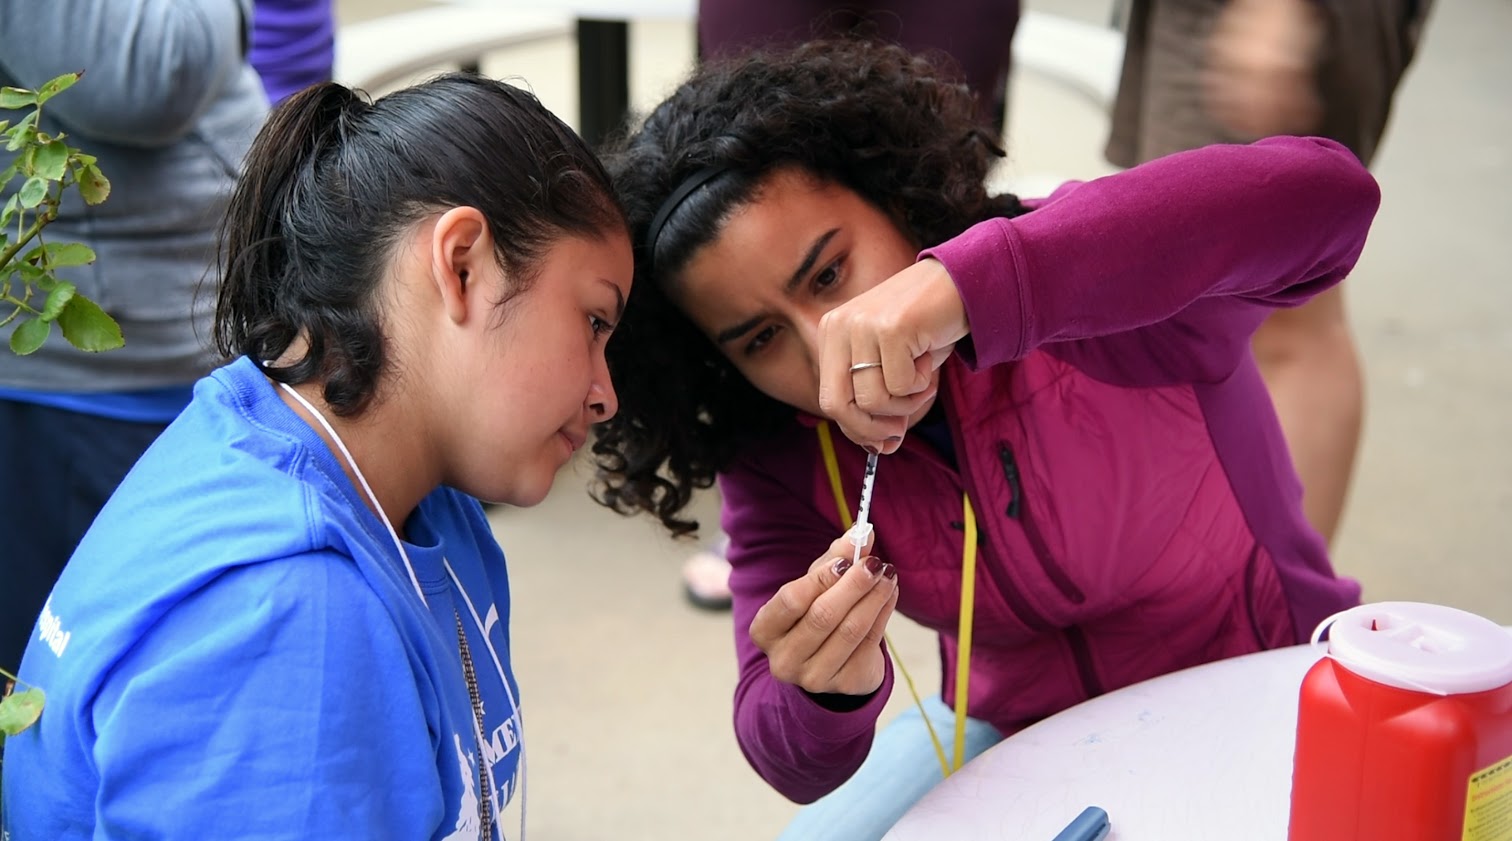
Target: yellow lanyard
968	602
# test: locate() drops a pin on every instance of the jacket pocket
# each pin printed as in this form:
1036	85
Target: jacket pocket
1019	510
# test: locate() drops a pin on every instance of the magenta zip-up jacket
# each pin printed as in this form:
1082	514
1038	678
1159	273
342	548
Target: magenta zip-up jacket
1139	513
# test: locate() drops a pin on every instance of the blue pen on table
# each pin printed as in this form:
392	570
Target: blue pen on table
1091	825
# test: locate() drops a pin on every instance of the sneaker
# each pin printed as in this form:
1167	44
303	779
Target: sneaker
706	580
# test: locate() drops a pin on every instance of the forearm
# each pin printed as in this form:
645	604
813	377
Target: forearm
802	749
1269	224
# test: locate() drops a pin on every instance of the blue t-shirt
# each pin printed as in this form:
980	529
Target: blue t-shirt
235	650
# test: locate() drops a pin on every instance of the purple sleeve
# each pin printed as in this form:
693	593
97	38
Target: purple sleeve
293	45
1161	273
800	748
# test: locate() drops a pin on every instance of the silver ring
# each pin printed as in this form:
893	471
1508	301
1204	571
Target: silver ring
862	366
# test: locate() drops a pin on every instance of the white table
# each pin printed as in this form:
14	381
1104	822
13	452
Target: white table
1201	753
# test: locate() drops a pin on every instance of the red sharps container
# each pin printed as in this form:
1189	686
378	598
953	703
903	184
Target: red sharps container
1404	730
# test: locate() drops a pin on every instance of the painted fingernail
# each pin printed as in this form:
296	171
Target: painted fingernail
870	449
874	565
840	566
889	571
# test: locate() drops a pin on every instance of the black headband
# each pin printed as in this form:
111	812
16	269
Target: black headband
685	189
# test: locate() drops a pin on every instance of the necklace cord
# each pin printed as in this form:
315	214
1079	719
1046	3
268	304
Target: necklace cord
486	808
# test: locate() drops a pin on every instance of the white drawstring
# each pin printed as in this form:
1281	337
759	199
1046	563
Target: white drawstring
415	581
366	488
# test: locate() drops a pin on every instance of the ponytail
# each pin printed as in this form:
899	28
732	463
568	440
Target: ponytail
256	252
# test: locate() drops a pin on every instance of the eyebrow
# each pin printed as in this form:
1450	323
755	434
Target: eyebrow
804	267
619	298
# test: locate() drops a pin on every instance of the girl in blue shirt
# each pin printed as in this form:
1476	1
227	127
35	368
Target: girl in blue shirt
292	619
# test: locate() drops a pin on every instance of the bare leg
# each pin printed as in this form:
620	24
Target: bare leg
1308	358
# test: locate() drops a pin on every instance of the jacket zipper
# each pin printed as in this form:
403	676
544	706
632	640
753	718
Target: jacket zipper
1250	572
1017	510
1017	604
1076	639
1016	601
1081	652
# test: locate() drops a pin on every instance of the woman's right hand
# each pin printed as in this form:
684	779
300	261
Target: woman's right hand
901	330
823	632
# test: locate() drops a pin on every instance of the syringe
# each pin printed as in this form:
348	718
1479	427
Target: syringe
863	529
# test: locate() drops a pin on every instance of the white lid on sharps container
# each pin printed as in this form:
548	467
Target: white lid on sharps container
1422	647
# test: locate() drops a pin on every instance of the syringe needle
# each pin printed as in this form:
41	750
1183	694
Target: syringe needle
862	529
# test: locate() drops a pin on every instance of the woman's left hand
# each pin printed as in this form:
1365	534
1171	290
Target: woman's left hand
909	323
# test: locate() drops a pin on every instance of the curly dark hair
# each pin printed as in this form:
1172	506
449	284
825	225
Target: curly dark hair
894	127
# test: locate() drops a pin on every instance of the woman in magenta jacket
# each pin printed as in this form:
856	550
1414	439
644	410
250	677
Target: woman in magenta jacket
1065	403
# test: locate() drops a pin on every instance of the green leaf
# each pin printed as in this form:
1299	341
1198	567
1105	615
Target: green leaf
51	161
87	327
29	336
20	710
56	86
4	124
21	133
29	274
57	299
60	254
93	185
9	211
32	192
25	162
83	159
13	98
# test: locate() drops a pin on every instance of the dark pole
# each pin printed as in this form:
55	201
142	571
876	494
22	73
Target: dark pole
603	77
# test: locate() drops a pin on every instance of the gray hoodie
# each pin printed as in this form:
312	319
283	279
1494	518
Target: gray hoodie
169	105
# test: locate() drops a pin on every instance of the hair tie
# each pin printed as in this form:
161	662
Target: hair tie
685	189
